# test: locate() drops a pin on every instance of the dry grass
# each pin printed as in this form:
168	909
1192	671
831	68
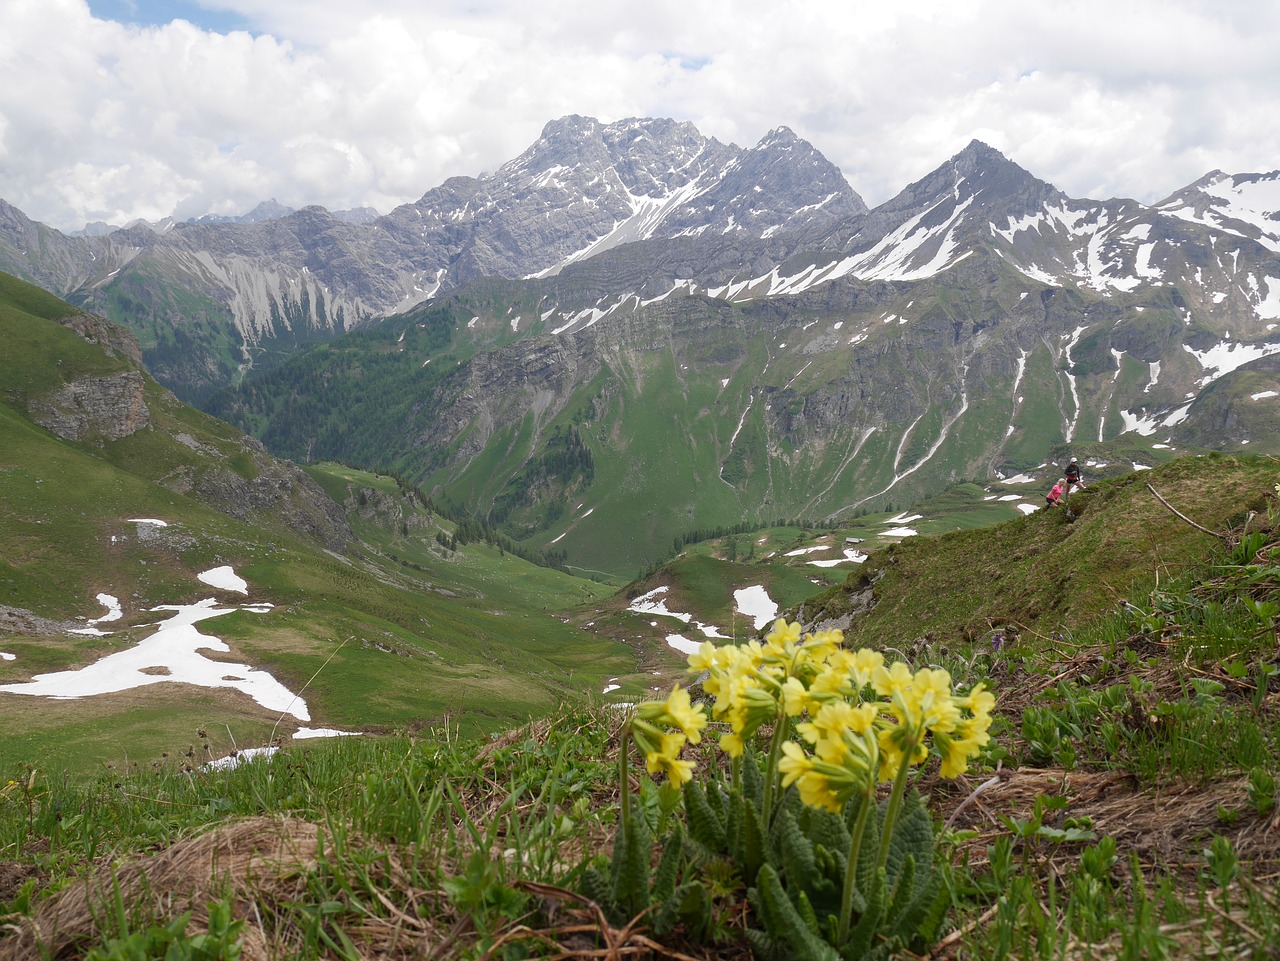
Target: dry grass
259	861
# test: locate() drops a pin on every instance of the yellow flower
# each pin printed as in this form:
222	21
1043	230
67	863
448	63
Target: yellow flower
795	698
731	744
680	772
979	700
783	635
930	696
865	663
661	756
684	715
794	763
834	719
704	658
895	742
815	791
818	648
894	679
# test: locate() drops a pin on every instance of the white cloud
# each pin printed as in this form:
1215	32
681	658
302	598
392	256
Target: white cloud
375	103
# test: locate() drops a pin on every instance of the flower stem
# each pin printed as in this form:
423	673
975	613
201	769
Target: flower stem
781	731
624	779
891	810
851	864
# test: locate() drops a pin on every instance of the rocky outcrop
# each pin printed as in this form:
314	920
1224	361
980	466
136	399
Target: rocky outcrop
115	340
279	493
16	620
108	407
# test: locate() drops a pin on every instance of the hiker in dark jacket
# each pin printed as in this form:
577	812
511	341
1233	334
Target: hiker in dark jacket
1073	478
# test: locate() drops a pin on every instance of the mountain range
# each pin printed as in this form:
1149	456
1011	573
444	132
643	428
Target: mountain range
631	330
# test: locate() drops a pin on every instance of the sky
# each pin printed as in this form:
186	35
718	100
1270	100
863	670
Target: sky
113	110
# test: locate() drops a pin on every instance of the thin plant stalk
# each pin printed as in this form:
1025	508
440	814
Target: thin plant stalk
851	864
781	731
891	810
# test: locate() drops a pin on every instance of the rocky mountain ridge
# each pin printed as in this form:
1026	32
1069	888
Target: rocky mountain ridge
963	330
724	352
582	188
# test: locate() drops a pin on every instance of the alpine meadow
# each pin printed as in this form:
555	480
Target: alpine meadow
642	550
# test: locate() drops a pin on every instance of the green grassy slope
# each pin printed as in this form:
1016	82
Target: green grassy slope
1044	572
1125	806
377	640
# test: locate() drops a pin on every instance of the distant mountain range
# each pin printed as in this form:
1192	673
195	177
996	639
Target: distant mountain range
631	330
267	210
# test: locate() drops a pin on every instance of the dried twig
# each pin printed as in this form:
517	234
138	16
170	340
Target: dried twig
1183	516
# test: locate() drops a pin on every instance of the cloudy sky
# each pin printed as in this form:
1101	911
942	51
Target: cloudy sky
116	109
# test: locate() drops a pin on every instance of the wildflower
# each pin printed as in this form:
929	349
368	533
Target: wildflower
784	636
865	664
887	681
664	757
704	658
676	711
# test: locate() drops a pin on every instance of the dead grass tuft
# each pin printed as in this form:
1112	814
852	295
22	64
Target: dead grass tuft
258	861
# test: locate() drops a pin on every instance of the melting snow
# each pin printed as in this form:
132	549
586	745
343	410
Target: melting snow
903	518
305	733
170	655
225	579
645	604
148	520
856	556
683	644
1020	479
1026	508
232	761
1268	307
1144	425
1261	395
899	532
1226	357
756	603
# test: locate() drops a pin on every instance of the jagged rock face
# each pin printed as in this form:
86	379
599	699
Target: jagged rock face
583	188
103	408
98	330
280	490
94	408
62	265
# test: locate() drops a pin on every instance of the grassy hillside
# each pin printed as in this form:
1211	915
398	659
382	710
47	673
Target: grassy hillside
371	636
1125	807
1050	570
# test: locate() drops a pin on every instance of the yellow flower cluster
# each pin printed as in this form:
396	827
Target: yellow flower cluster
661	748
867	722
752	683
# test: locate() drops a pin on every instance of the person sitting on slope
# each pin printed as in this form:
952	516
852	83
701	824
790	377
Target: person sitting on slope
1055	493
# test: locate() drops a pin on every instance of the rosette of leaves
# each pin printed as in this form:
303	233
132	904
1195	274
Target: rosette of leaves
634	886
796	897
